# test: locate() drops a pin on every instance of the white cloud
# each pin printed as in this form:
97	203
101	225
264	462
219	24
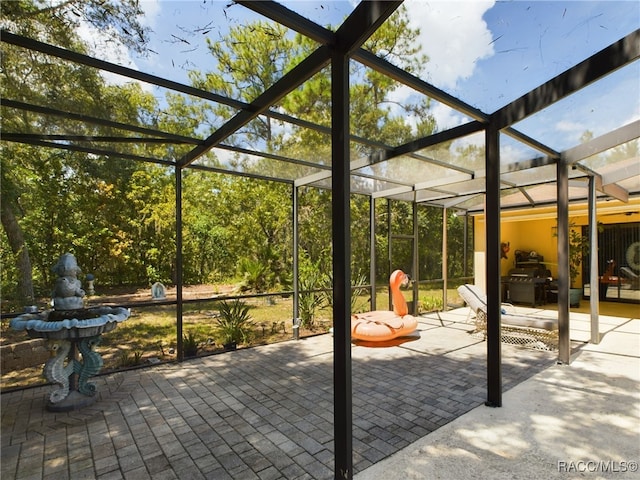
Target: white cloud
105	47
152	9
401	94
634	117
569	126
475	139
103	44
447	117
453	35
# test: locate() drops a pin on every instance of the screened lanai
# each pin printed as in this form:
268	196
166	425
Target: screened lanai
516	140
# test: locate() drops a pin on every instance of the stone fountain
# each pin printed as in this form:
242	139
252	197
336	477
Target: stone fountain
73	332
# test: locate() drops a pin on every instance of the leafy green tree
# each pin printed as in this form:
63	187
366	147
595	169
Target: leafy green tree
249	60
34	180
118	216
147	247
258	216
207	241
117	19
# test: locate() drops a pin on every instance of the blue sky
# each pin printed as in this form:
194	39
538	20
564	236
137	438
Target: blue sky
485	52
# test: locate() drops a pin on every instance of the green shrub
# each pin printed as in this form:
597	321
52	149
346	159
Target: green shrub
234	323
129	360
190	344
310	281
429	304
256	276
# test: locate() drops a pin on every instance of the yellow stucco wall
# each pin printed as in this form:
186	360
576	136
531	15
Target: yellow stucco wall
532	229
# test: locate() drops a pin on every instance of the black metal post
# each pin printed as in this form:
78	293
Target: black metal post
296	242
445	256
492	225
416	264
465	245
340	178
389	249
563	261
178	175
372	250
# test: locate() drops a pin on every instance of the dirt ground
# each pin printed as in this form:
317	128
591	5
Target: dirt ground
124	295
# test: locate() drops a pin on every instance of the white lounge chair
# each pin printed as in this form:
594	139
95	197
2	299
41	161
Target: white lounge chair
528	330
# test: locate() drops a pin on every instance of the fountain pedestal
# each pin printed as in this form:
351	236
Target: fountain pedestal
72	343
73	333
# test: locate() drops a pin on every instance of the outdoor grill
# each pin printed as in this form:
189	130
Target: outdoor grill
528	285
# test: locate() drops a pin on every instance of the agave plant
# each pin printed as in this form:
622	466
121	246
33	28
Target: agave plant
190	344
234	323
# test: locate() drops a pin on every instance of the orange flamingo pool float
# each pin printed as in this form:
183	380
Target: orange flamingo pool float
382	325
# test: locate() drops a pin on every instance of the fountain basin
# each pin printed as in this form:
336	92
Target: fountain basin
93	321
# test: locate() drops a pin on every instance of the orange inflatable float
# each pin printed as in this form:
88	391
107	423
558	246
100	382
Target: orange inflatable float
382	325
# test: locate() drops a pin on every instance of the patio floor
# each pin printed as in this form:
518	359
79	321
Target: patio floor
260	413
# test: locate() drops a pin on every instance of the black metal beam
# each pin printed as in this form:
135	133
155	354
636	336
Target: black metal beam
362	22
436	138
290	19
533	143
95	151
95	121
606	61
396	73
594	280
295	248
273	156
82	59
235	173
298	75
179	263
441	163
372	252
17	137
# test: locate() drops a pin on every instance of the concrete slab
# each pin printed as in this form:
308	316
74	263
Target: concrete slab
570	421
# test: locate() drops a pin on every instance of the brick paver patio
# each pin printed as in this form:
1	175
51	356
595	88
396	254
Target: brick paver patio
260	413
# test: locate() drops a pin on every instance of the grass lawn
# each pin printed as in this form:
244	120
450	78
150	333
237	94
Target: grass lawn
150	335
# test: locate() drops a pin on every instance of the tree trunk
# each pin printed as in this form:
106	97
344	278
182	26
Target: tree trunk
20	252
